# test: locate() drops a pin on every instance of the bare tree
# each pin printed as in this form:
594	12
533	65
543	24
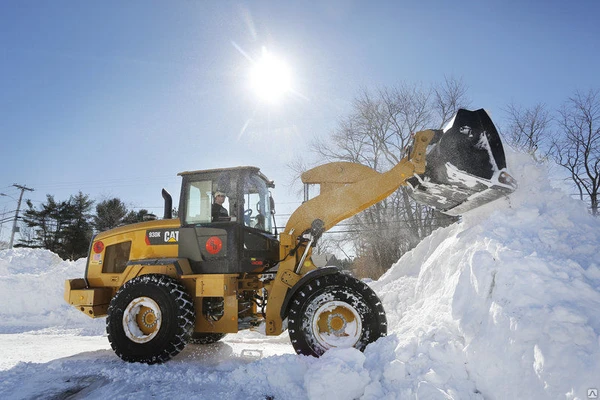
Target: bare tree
27	236
376	134
578	147
528	129
449	96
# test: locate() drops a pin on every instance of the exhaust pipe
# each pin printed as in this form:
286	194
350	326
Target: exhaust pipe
168	205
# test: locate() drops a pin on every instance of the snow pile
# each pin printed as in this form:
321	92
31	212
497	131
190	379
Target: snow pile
503	305
32	285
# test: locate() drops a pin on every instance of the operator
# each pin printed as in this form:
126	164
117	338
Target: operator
219	213
260	222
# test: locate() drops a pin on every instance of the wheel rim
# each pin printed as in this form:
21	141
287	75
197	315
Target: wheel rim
142	320
337	324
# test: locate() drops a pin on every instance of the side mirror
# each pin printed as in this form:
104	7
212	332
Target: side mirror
272	203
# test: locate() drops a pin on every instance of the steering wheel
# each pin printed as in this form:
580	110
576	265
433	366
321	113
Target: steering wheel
247	215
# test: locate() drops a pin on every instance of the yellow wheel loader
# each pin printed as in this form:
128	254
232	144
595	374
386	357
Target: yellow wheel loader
221	266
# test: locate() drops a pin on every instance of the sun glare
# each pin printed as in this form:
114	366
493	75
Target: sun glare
270	78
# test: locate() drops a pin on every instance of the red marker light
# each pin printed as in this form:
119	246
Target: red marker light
98	247
214	245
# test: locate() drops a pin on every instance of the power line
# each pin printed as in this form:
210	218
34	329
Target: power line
105	183
6	219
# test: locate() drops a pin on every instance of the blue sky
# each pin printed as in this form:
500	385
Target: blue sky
115	98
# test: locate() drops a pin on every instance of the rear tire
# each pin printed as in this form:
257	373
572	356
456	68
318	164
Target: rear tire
206	338
150	319
335	311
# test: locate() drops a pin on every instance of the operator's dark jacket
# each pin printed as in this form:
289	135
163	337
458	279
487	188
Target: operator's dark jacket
219	213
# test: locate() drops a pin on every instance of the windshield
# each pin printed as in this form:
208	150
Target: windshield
257	210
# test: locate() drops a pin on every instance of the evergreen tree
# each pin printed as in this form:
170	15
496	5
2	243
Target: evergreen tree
48	223
140	216
109	214
78	233
61	227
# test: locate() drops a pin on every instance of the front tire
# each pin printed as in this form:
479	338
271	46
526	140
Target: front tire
150	319
335	311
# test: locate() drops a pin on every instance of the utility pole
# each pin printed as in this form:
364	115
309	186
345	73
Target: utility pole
12	234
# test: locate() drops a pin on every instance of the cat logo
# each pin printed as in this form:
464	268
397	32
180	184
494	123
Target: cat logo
162	236
171	236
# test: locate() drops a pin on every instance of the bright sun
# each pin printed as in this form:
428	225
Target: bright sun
270	78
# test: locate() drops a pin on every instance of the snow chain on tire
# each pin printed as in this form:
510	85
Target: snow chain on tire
335	310
206	338
150	319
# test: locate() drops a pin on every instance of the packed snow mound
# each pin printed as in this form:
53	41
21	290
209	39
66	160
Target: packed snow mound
505	303
502	305
32	283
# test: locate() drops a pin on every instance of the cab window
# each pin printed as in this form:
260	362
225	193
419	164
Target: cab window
199	202
257	210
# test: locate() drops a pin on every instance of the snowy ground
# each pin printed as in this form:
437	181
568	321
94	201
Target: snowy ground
503	305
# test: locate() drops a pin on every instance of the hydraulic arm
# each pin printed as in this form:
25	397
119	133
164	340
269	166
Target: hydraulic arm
346	189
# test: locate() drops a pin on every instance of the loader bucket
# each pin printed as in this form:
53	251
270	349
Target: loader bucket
466	166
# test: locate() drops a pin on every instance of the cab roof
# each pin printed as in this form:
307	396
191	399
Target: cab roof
254	170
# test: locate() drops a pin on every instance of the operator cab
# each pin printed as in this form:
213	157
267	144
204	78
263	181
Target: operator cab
227	221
